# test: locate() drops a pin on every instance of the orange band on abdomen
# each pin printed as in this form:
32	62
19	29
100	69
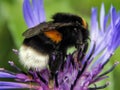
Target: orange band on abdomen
54	35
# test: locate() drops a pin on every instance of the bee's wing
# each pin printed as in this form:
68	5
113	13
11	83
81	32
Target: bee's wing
35	30
45	26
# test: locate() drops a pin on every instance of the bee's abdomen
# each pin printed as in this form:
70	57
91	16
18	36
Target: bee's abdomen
30	58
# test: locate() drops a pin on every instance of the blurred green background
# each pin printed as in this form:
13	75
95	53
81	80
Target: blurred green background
12	25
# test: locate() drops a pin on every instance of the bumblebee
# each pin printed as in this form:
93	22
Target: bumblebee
47	43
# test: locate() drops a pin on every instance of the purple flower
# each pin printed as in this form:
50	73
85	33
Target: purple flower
75	75
33	13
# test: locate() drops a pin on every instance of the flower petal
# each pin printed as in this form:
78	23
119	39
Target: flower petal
6	75
33	12
94	25
27	12
102	16
12	85
113	16
38	11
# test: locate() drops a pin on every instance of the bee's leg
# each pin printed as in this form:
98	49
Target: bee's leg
81	46
84	50
55	63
